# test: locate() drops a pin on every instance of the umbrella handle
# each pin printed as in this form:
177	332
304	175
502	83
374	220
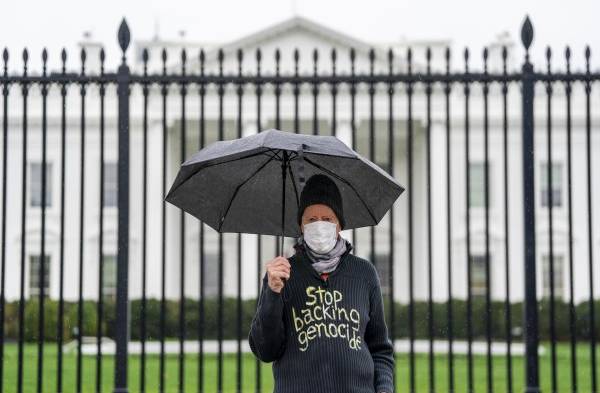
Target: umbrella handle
284	292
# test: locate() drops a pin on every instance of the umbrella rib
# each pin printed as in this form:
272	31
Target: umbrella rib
237	189
345	181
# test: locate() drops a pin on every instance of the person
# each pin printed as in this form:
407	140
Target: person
330	334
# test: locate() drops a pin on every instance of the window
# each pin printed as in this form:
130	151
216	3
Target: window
556	188
382	263
477	184
35	189
109	275
558	266
381	140
110	184
34	275
211	270
478	277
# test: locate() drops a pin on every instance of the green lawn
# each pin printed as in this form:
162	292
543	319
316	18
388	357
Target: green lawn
191	372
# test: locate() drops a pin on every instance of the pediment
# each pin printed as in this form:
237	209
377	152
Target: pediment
304	35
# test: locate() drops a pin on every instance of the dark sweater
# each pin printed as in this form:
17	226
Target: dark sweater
329	335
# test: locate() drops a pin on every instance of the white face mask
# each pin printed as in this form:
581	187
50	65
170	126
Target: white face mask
320	236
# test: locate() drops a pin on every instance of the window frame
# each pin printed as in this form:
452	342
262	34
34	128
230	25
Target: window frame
543	193
113	292
559	290
34	291
484	257
490	184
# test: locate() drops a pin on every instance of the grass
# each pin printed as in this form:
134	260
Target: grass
248	369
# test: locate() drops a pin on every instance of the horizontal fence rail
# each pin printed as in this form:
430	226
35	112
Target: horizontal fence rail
487	263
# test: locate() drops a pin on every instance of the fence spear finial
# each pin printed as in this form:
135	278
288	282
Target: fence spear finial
124	37
527	35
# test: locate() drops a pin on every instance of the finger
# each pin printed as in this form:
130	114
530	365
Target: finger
280	274
281	269
281	266
275	262
281	261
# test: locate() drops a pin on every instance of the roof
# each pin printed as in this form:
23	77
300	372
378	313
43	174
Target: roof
290	24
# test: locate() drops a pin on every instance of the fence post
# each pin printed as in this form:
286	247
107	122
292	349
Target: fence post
122	309
530	305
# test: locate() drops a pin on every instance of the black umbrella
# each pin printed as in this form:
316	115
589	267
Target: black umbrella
251	184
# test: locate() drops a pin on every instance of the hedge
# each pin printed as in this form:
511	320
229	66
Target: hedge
192	319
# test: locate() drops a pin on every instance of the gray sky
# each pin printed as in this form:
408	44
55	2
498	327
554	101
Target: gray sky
472	23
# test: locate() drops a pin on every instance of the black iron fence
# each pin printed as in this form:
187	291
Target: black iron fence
164	334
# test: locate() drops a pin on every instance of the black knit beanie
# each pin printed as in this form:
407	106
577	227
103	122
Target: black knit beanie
320	188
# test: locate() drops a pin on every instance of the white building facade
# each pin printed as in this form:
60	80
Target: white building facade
305	35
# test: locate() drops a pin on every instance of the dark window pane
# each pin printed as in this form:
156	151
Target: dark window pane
35	184
558	270
478	277
110	184
34	275
211	269
109	275
556	188
382	263
477	184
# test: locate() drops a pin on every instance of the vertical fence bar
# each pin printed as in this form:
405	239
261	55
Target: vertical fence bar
470	370
450	333
202	280
507	305
42	270
277	91
163	275
411	289
296	92
588	142
82	92
550	197
449	310
24	93
181	360
391	149
572	312
334	91
353	123
61	279
372	140
122	306
258	237
221	92
430	318
100	310
530	304
240	92
143	305
315	92
4	197
486	176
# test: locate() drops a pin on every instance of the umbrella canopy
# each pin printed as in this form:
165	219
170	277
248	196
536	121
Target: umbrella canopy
253	184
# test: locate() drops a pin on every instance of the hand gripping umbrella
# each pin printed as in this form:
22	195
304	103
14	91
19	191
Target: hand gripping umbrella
251	184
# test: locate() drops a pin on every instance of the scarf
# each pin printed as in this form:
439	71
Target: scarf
324	263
